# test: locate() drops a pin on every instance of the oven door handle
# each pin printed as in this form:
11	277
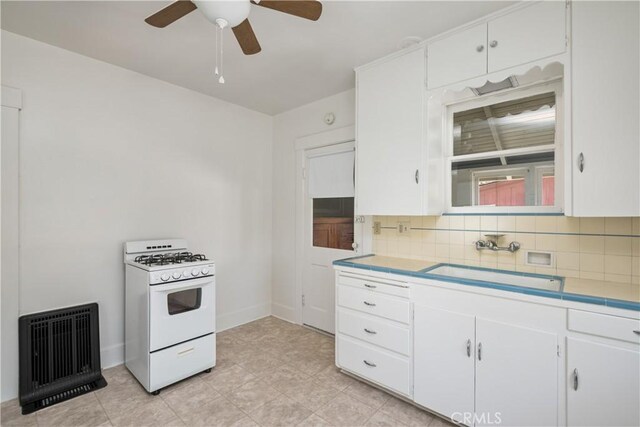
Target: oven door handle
183	284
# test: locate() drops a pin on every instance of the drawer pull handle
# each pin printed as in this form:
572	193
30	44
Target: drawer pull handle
370	304
370	286
636	331
480	351
366	362
469	348
185	351
369	331
575	379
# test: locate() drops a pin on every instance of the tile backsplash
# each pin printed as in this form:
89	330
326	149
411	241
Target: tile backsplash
589	248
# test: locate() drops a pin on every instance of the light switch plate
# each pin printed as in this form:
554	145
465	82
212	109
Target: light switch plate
404	228
377	227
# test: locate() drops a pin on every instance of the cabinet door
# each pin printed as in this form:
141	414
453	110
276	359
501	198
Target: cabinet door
605	108
390	120
516	375
458	57
607	389
444	361
528	34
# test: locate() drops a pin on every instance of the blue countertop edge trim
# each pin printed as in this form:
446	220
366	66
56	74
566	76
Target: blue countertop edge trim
424	274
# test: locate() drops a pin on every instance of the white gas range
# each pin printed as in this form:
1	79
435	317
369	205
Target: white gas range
170	312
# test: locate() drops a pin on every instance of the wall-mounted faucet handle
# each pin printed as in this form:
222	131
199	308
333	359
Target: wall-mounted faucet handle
480	244
514	246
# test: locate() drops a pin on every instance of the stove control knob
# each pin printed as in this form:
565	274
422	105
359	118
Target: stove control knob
165	277
176	275
195	272
185	273
205	270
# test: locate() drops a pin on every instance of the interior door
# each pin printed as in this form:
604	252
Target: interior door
330	229
444	349
516	375
604	393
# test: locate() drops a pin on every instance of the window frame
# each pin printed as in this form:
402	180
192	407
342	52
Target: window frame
553	85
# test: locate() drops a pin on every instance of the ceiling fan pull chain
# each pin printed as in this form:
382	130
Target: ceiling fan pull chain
216	70
221	79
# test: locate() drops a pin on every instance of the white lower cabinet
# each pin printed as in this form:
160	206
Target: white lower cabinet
603	384
444	355
482	372
516	375
487	360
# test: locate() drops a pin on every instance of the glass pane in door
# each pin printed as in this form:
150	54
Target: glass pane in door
183	301
333	222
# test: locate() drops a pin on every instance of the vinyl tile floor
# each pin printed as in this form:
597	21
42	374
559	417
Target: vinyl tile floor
269	373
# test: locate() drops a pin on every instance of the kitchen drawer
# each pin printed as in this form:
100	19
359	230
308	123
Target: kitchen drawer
619	328
374	303
374	364
391	287
374	330
181	361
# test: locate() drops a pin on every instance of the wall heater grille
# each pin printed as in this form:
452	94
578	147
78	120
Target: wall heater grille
59	356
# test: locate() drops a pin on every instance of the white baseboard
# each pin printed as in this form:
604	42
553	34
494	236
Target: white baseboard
284	312
240	317
112	355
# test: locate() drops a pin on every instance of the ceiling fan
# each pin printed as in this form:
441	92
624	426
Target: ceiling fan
234	14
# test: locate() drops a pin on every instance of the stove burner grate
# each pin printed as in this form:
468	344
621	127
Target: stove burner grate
170	258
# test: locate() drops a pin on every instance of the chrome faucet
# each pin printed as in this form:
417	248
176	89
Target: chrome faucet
493	246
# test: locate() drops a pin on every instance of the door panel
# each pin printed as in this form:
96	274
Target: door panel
443	370
608	386
458	57
390	122
528	34
516	375
605	108
329	231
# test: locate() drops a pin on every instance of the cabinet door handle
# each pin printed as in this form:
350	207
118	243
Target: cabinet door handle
480	48
417	176
369	331
370	286
370	304
637	331
493	43
366	362
468	348
575	379
479	351
581	162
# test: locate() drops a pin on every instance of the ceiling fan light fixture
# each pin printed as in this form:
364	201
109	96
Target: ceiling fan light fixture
231	11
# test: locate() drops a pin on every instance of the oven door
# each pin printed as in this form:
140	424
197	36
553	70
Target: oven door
181	311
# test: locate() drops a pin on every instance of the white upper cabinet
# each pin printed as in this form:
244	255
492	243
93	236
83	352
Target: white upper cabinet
605	109
531	33
458	57
389	135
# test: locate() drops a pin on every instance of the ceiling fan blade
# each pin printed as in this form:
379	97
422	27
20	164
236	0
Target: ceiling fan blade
171	13
308	9
246	38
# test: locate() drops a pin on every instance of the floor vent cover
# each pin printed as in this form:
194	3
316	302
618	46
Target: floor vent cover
59	356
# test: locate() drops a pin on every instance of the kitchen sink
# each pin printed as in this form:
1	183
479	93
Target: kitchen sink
536	281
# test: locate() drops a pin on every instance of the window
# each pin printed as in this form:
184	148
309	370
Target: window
183	301
504	149
333	223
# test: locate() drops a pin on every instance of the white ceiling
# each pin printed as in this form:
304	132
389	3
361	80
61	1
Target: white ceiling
301	60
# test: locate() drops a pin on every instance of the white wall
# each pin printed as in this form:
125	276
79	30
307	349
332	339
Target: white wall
287	127
108	155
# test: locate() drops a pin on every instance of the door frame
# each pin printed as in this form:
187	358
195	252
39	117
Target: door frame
318	140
